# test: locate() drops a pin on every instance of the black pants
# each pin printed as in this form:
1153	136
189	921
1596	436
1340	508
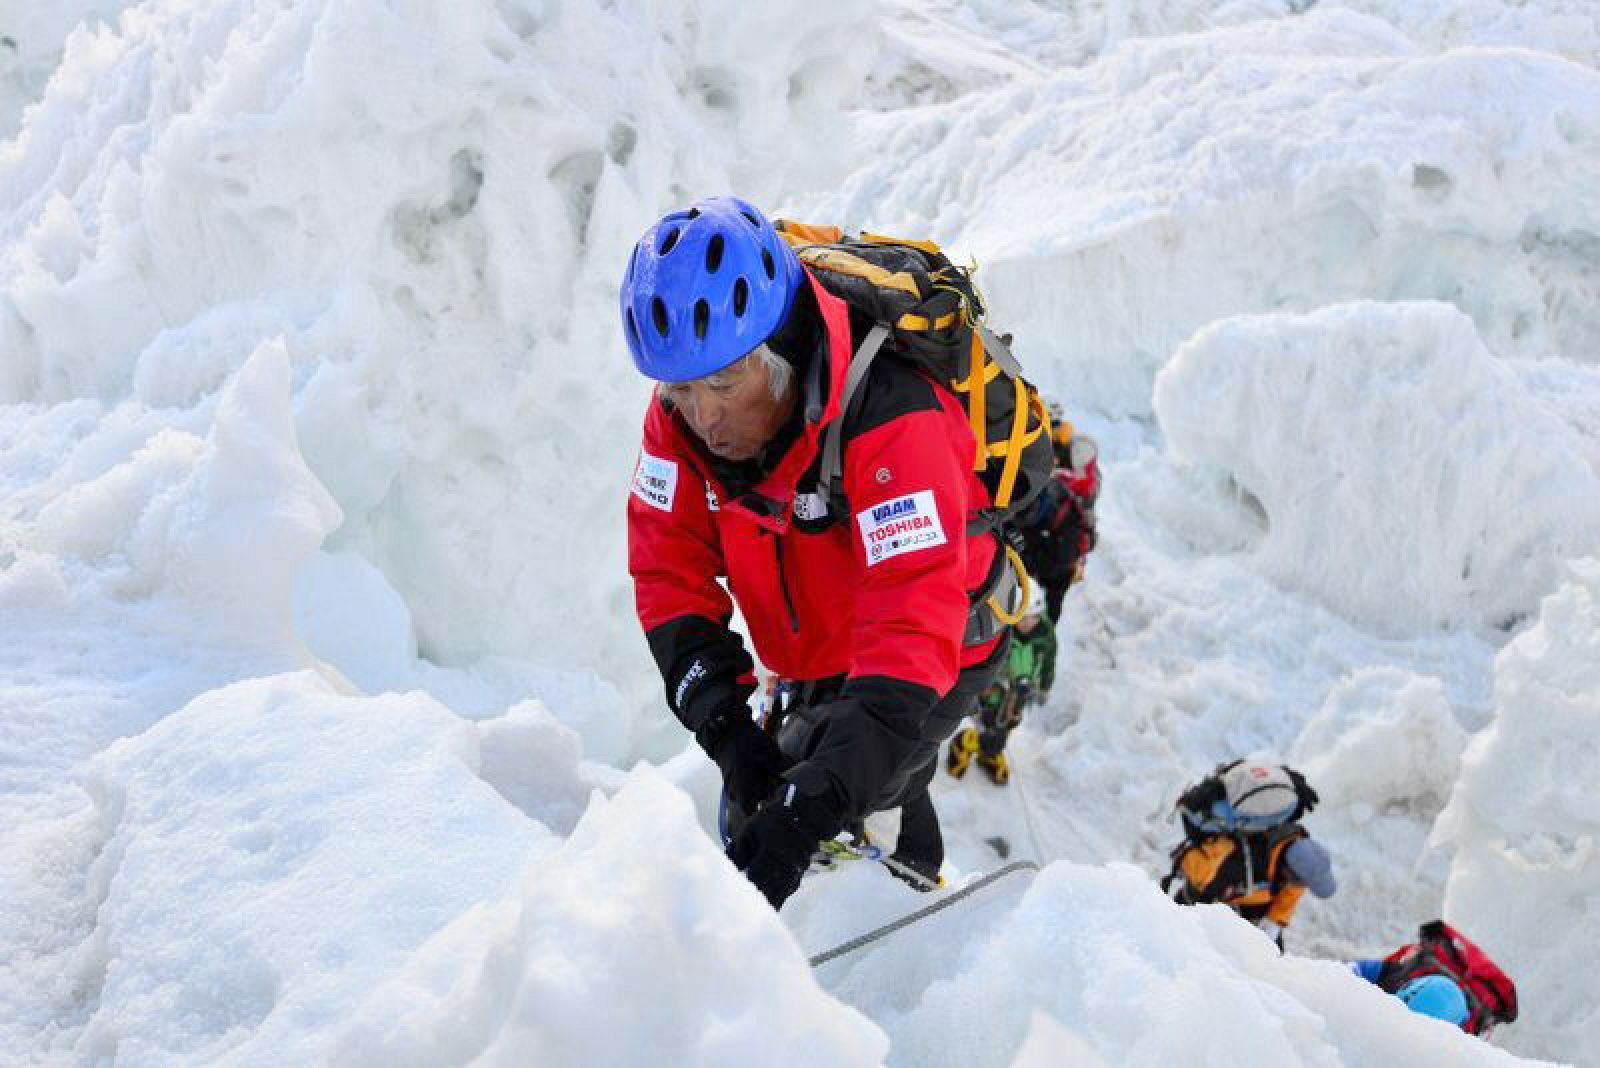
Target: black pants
1054	594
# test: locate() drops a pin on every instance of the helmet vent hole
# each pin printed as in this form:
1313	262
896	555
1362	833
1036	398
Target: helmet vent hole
767	264
668	241
633	329
702	319
658	314
694	213
741	297
714	254
751	219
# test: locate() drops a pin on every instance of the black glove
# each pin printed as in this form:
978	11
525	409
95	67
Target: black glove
775	847
749	760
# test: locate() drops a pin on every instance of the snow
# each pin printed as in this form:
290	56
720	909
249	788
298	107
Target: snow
291	906
1393	427
688	958
326	731
1277	166
1524	819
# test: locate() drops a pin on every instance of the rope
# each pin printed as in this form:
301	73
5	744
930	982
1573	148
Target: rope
1105	628
1028	822
923	913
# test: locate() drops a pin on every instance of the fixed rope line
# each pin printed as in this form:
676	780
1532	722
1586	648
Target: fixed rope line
1028	822
1105	628
923	913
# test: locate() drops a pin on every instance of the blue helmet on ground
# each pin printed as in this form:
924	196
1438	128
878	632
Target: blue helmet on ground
704	287
1437	996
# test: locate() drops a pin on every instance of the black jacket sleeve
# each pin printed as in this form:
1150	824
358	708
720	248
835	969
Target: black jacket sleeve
704	666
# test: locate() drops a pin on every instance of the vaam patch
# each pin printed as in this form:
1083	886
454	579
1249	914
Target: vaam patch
902	525
655	481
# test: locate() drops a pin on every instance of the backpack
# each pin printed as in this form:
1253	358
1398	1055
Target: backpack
926	311
1058	529
1245	796
1442	950
1242	871
1238	822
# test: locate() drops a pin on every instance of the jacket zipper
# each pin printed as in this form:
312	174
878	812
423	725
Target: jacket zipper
783	585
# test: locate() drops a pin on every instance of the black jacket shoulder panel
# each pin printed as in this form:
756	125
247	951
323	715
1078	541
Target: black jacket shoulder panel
892	389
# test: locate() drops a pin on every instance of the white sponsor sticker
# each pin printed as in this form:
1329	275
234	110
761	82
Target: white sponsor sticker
809	507
655	481
902	525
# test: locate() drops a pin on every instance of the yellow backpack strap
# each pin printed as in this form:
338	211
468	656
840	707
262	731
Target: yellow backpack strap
1025	402
910	321
798	233
922	246
978	379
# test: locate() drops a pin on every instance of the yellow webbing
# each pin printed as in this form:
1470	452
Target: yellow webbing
921	322
832	259
978	383
1024	583
882	239
1013	454
797	233
1016	443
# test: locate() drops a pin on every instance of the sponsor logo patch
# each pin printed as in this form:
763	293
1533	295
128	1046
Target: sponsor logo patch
810	506
655	481
902	525
696	672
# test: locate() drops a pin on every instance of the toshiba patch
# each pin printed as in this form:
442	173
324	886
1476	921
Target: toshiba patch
902	525
655	481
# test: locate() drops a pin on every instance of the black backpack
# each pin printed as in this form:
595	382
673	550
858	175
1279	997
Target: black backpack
926	311
1057	530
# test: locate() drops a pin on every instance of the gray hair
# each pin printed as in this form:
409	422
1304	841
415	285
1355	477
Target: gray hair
780	372
780	375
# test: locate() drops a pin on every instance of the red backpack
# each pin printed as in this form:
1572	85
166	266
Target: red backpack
1442	950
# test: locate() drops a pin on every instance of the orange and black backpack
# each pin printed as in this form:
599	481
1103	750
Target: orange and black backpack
926	311
1243	871
1238	823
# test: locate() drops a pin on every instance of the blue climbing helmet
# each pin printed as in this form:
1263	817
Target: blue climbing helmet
704	287
1436	996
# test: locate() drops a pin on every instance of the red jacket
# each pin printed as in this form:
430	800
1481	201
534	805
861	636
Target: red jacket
881	594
